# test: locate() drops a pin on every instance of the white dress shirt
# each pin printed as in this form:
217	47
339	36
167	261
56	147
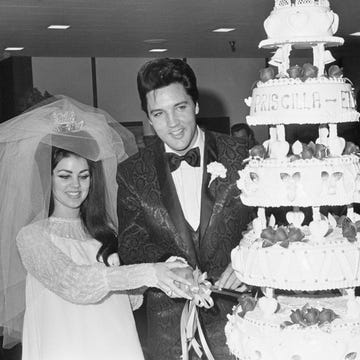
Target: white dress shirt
188	182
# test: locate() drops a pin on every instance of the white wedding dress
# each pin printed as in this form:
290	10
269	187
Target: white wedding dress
70	313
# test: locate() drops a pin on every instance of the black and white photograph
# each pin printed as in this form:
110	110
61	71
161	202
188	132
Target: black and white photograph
179	180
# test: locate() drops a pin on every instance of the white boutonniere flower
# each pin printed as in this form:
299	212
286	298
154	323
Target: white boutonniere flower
216	169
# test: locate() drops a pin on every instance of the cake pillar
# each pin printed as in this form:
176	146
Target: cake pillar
279	148
318	53
281	58
336	143
350	212
262	216
316	213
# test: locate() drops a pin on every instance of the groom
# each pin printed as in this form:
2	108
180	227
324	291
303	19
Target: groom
167	205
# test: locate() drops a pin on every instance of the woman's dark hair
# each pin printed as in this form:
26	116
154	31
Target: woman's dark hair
162	72
93	210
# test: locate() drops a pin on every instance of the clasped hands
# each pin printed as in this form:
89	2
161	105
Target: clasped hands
181	282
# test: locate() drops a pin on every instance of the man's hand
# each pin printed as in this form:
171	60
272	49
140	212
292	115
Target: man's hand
170	279
228	280
186	273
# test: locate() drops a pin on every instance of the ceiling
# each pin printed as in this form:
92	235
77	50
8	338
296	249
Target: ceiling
118	28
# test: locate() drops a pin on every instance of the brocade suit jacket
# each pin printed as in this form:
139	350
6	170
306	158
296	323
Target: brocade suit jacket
152	227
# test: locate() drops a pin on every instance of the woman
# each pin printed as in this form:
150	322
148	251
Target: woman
58	165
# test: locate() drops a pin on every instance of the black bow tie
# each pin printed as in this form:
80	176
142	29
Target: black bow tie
192	157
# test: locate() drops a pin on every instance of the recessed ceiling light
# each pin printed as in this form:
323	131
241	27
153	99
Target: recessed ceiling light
157	50
224	30
58	27
154	41
355	33
14	48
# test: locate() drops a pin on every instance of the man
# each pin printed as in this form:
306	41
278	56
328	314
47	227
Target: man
243	130
167	207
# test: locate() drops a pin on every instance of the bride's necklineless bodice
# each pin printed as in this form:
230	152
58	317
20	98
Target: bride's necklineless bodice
71	228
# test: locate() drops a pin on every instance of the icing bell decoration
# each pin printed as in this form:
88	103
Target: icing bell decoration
281	59
321	57
295	217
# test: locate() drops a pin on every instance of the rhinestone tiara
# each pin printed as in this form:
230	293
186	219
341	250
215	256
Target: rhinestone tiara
65	121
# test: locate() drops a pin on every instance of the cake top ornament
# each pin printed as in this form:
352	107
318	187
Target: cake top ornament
288	3
302	24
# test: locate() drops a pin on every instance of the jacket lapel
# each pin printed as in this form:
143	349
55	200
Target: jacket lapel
207	198
172	204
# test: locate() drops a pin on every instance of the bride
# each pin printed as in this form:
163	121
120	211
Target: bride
57	198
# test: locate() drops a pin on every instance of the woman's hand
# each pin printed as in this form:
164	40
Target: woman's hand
114	259
171	280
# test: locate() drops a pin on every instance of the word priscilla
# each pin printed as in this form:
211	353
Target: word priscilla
301	101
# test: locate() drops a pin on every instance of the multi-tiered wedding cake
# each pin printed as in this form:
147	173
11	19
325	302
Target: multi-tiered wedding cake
317	265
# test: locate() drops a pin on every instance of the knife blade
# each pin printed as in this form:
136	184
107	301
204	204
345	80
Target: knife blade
228	292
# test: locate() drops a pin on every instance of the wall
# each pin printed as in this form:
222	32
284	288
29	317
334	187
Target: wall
117	91
223	84
66	76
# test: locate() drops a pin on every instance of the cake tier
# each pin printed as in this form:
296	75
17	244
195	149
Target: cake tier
255	337
291	101
308	19
302	42
329	263
310	182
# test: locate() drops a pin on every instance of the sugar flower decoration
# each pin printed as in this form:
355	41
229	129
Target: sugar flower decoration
216	170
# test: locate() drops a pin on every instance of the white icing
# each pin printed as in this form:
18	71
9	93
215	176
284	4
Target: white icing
292	22
313	264
304	182
302	103
255	338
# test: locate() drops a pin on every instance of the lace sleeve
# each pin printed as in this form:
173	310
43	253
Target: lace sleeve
82	284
